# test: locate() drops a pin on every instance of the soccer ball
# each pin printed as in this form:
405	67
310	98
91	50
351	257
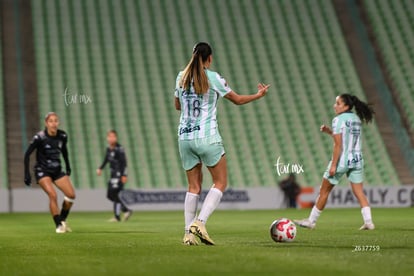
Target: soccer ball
283	230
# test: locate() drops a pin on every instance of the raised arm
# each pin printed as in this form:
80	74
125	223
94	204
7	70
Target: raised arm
244	99
326	129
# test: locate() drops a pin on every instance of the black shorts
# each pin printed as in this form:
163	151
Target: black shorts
53	174
114	187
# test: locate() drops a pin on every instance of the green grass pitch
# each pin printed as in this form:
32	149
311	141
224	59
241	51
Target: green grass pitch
150	244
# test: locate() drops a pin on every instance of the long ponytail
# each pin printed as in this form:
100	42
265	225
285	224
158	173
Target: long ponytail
194	71
363	110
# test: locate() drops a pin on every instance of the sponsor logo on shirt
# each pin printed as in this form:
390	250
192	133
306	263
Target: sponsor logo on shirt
352	123
189	129
354	160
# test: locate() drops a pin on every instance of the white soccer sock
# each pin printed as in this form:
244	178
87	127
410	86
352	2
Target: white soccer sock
314	215
190	209
366	214
210	204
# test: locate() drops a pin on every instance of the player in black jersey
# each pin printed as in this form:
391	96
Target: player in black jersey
49	144
115	155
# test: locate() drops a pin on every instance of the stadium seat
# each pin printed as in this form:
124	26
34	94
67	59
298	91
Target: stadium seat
126	55
393	23
3	136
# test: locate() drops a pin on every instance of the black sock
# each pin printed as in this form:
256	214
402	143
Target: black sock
64	214
124	208
57	220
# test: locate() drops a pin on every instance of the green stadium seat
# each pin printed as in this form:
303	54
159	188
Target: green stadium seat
3	135
393	23
127	56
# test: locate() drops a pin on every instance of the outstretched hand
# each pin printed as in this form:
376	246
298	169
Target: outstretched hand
326	129
262	89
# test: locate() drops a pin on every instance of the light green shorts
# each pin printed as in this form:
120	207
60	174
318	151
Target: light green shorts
355	175
207	150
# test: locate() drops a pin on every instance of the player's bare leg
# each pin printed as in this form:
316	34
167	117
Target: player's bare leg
195	179
320	204
47	185
65	185
324	192
357	189
219	176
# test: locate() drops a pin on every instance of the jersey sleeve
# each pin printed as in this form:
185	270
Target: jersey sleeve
65	150
219	84
336	126
105	160
33	145
123	161
177	85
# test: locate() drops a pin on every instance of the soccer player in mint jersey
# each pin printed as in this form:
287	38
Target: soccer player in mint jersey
197	92
347	158
49	144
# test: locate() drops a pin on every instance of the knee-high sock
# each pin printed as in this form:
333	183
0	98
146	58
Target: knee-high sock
66	205
366	214
314	215
124	208
190	209
210	204
57	220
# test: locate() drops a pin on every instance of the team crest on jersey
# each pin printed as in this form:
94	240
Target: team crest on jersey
47	146
40	174
60	144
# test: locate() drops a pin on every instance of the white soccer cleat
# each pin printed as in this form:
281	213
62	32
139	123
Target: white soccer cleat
60	229
127	215
66	227
113	220
305	223
189	239
367	226
198	229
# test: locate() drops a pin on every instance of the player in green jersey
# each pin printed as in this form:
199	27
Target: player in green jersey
196	94
347	158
